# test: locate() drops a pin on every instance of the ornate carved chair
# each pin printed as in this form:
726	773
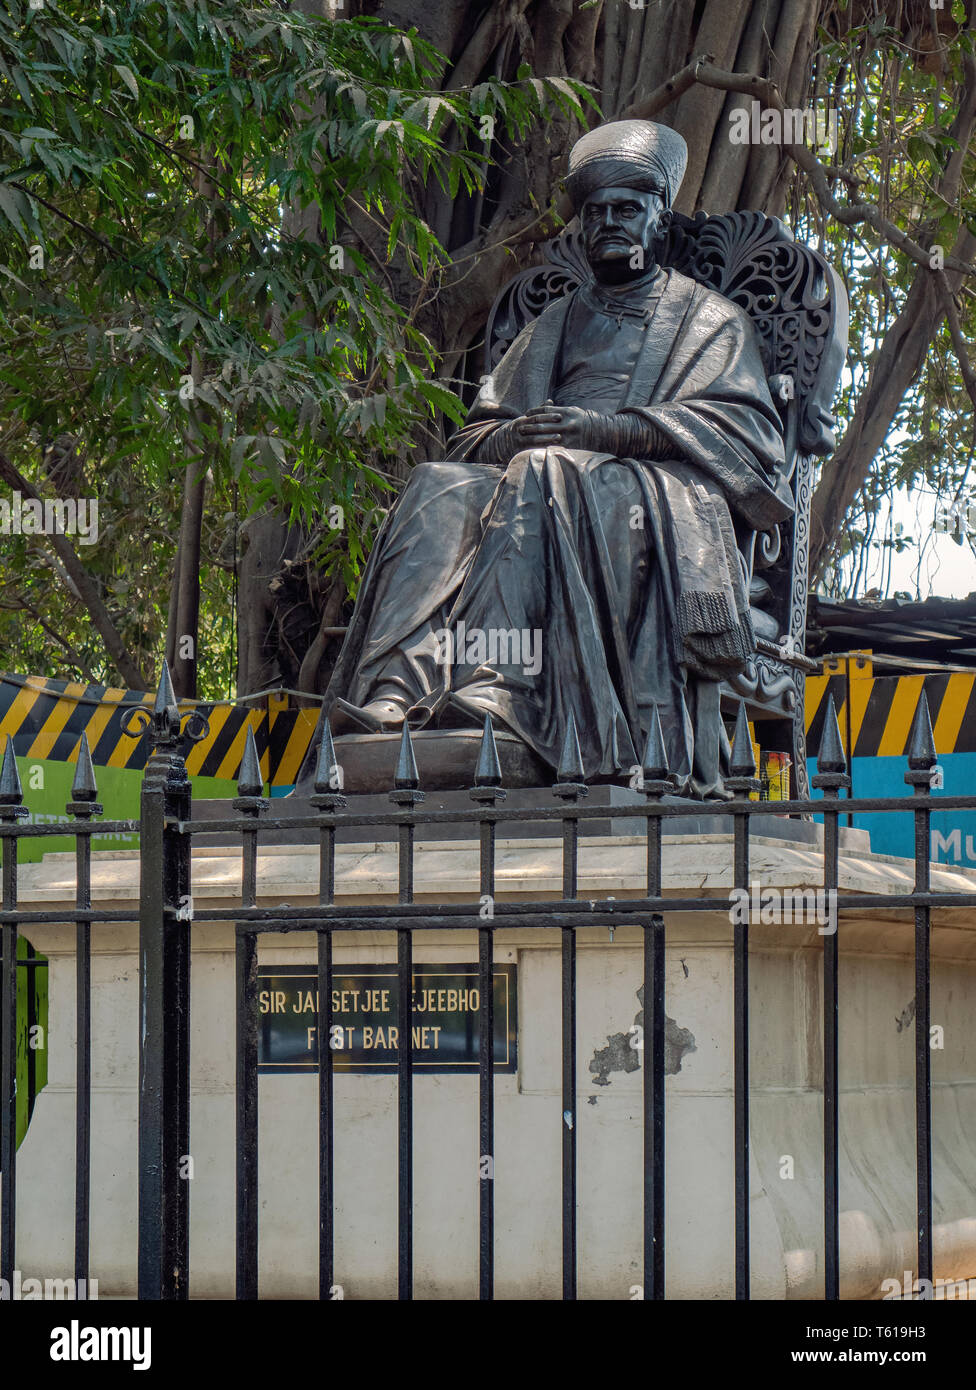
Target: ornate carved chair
798	306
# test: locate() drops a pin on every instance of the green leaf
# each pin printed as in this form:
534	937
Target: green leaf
11	205
20	82
128	77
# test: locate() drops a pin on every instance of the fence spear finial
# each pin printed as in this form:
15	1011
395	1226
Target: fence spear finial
831	773
165	695
84	788
655	778
250	781
743	761
11	791
742	778
488	773
326	762
654	765
406	777
166	712
831	756
570	767
921	742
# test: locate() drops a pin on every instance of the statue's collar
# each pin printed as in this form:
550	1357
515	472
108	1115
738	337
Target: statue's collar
630	300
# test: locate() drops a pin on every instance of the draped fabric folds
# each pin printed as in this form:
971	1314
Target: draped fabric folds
574	581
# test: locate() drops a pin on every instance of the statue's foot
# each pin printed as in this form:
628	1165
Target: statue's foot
376	717
455	715
443	710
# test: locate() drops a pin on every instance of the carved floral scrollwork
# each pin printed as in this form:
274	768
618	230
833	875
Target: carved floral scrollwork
522	300
789	292
766	682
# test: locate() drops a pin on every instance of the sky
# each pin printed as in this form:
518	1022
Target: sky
936	566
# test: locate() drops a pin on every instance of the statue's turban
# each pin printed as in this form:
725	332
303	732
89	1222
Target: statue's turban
627	154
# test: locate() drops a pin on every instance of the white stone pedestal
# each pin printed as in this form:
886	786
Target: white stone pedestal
876	1070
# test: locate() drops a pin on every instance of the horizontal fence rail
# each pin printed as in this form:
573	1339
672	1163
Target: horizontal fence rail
165	917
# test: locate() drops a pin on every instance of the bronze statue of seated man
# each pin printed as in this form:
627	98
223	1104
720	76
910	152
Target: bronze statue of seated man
575	551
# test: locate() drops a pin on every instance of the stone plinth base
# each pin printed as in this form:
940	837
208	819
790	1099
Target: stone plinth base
876	1069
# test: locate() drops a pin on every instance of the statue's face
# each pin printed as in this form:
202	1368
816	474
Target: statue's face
621	228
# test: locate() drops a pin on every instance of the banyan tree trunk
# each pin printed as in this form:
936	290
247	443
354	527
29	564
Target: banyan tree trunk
626	53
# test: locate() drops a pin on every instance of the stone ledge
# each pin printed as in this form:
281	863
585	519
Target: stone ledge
691	865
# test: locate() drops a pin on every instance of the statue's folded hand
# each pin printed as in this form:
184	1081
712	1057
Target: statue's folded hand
624	434
545	425
569	425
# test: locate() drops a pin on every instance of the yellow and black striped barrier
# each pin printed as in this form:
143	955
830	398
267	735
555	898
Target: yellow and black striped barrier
875	712
46	719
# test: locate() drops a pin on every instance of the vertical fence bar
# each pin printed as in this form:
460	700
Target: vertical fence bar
486	1103
8	1075
405	1100
11	810
326	1096
250	803
82	1084
164	987
741	1055
923	1090
32	965
830	776
831	1073
654	1102
247	1114
569	1109
742	780
326	800
405	783
83	806
569	788
655	781
487	790
921	761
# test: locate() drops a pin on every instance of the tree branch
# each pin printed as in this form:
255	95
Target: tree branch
765	91
956	333
668	91
22	603
87	588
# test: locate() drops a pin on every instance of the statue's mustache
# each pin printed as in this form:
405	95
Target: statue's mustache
651	244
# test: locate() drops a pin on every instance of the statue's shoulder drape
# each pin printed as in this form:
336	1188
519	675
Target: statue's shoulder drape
699	378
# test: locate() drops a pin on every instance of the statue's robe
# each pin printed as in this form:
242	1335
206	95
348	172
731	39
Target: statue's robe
623	574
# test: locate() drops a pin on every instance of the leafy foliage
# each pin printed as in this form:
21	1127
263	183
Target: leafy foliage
897	101
173	282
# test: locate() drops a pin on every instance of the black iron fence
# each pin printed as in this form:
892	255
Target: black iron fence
166	913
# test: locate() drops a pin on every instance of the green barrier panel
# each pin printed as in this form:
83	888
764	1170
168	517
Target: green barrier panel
32	1031
47	789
